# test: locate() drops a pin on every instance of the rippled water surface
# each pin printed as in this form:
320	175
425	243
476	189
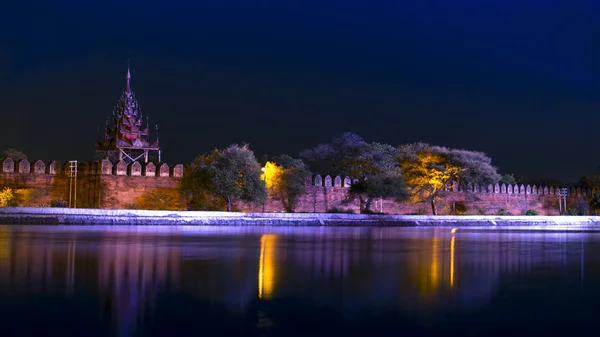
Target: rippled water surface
257	281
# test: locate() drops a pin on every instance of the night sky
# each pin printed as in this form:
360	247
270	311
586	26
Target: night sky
519	80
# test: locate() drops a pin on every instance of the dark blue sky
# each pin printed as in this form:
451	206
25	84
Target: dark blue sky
519	80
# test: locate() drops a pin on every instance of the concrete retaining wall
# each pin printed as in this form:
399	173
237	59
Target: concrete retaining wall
70	216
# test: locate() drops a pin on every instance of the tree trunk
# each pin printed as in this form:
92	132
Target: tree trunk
368	205
433	208
228	200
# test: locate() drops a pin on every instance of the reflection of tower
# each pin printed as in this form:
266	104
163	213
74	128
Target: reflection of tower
266	266
132	269
71	266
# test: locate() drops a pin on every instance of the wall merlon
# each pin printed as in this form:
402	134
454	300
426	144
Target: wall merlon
149	170
8	165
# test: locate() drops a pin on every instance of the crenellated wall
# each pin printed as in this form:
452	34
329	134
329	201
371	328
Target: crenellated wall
98	184
103	185
326	193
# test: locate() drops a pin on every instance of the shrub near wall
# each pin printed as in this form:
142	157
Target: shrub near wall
6	197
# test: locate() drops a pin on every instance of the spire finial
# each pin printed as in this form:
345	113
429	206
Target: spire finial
128	77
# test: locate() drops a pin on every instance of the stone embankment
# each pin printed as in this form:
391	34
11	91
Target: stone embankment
69	216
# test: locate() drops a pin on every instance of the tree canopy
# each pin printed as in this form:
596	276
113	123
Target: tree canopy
427	169
14	154
372	166
284	178
230	173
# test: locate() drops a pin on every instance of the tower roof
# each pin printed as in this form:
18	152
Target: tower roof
128	79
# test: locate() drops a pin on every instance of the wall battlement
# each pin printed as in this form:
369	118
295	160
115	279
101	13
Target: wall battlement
338	181
103	167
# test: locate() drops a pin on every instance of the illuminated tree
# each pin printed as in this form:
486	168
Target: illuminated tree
372	166
228	174
284	177
272	175
427	169
6	197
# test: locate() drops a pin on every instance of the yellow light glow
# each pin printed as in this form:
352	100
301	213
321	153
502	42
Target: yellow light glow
452	261
272	175
453	230
266	266
4	245
434	273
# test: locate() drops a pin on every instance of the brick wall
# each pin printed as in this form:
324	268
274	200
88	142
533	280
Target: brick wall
103	185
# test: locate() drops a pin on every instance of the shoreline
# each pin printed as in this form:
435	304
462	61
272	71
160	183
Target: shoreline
82	216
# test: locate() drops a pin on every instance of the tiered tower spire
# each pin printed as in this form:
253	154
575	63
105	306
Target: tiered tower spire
126	138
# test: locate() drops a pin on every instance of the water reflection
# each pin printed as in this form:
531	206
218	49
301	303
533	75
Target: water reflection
266	266
423	272
131	271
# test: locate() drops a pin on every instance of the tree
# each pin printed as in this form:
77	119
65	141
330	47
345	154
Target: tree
427	169
14	154
231	173
590	181
284	177
372	166
508	179
595	202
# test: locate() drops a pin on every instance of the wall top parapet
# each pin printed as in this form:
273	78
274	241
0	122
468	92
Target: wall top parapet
104	167
508	189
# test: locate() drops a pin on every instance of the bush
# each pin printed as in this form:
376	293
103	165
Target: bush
340	210
595	202
572	211
502	211
59	203
460	208
482	210
582	207
532	212
7	197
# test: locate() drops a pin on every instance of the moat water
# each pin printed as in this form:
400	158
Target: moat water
257	281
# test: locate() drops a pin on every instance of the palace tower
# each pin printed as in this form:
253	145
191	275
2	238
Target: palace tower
125	138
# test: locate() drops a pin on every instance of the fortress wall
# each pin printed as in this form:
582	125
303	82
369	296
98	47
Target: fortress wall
98	184
103	185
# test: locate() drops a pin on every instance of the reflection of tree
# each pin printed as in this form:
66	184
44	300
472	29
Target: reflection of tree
345	269
267	266
5	241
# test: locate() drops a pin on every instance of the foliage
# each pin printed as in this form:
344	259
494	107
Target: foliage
14	154
272	175
284	178
581	207
572	211
508	179
482	210
502	211
7	197
340	210
228	174
59	203
158	200
427	169
589	181
532	212
595	202
373	166
24	196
